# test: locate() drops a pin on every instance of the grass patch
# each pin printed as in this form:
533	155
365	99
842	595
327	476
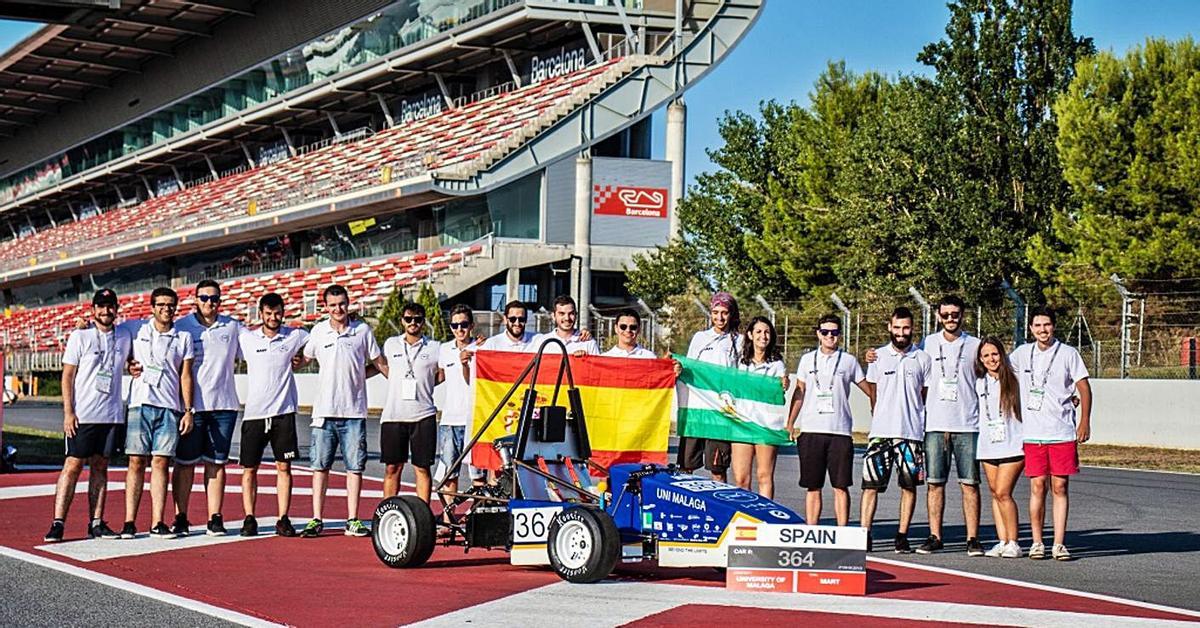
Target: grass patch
35	446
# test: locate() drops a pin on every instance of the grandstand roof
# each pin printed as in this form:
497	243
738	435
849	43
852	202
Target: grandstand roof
63	62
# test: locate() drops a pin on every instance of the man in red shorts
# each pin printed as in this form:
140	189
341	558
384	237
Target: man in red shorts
1051	374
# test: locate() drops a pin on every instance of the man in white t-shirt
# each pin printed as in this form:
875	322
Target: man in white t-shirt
514	337
408	425
163	397
93	415
822	402
627	325
898	381
1051	374
342	346
456	363
215	345
565	315
270	415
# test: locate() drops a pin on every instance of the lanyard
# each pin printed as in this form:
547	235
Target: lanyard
957	358
832	374
410	359
1049	365
987	395
106	352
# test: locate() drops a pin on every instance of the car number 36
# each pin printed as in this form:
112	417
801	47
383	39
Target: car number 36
795	558
530	524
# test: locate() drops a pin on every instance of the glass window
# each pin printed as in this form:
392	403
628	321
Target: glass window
516	208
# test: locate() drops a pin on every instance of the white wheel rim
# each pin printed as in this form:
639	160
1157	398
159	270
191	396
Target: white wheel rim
393	532
574	544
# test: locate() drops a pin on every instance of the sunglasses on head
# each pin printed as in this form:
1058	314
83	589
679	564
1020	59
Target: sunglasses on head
830	332
627	327
205	298
460	325
414	319
516	319
950	315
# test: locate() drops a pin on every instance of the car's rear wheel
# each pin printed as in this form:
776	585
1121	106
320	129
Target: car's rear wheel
584	544
403	531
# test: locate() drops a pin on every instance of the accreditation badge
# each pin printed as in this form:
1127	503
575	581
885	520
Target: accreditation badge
825	401
997	430
1036	397
948	389
408	389
104	378
152	374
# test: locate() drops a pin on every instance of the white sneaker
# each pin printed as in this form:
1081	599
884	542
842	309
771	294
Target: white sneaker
1037	551
1012	549
997	550
1061	553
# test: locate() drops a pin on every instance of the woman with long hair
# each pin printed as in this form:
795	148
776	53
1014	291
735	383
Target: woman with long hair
1000	440
760	354
719	344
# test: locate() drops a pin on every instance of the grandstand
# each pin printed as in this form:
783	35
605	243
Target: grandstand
495	149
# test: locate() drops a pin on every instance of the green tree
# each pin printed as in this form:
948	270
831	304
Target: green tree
434	319
1128	135
388	321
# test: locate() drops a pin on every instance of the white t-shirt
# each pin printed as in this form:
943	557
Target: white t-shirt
638	352
271	389
161	356
954	407
412	374
712	348
574	344
92	351
216	353
1000	435
460	395
826	405
342	380
501	342
775	368
1054	421
899	405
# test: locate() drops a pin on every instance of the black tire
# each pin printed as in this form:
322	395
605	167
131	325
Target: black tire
403	531
584	544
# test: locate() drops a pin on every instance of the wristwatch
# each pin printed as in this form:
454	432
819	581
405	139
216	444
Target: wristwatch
190	411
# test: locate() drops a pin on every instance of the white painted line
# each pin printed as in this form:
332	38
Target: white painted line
1039	587
1187	473
138	589
593	605
47	490
89	550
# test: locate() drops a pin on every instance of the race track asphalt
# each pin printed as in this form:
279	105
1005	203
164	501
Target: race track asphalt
1133	533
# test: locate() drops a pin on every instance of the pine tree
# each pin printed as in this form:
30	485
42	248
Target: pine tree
434	319
389	323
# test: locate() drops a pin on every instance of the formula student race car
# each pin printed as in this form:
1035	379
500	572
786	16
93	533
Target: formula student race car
544	507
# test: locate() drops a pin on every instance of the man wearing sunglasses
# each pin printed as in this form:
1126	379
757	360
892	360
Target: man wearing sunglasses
565	315
216	350
163	397
455	362
342	346
408	427
627	326
822	402
514	337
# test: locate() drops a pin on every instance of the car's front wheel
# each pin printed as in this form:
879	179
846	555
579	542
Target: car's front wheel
584	544
403	531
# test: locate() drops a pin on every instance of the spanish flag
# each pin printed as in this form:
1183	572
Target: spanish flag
626	403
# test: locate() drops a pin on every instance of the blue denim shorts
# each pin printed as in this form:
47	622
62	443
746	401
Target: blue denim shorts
210	438
940	446
450	439
152	431
348	435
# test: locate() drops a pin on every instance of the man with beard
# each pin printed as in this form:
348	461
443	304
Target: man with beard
628	323
579	343
408	425
898	381
93	415
514	337
270	415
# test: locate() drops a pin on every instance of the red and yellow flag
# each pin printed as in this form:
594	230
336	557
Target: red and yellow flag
626	403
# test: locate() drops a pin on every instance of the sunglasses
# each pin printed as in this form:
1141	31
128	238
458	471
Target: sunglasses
414	319
462	325
625	327
205	298
830	332
516	319
952	316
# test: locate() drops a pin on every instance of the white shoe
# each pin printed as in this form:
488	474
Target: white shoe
1061	553
997	550
1037	551
1012	549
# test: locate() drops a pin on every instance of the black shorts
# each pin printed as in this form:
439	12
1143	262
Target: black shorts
822	454
717	454
97	439
281	434
691	453
398	440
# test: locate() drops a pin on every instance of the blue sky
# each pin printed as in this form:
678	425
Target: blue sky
792	42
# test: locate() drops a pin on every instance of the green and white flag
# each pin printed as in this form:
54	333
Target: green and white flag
724	403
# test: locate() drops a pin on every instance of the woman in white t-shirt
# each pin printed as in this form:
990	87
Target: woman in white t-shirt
1000	440
760	355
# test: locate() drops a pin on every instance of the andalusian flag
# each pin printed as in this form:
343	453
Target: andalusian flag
724	403
626	403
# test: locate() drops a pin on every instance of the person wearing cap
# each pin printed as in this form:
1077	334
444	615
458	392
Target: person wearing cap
722	345
627	325
93	413
215	345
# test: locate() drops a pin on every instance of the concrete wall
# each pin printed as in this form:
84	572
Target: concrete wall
1157	413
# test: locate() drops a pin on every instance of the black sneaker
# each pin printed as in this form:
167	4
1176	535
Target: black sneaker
57	528
128	531
249	526
974	547
161	531
182	526
216	526
283	527
313	529
102	531
902	546
933	544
